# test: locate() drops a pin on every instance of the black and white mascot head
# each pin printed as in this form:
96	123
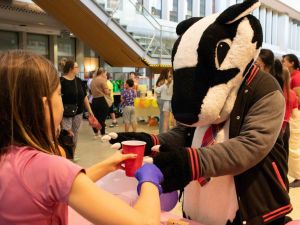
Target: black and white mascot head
210	58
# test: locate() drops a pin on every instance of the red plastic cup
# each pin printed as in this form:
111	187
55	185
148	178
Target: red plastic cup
135	147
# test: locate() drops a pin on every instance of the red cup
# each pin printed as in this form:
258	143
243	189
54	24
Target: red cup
135	147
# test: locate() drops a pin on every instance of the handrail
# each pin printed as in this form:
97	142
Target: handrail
142	26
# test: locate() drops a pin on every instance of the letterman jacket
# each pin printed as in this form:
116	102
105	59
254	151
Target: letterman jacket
254	153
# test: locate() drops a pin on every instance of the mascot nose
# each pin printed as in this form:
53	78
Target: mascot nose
187	96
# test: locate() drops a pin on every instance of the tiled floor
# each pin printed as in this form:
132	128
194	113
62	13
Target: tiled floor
91	151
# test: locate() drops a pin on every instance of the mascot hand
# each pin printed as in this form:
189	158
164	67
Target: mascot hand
174	163
149	173
117	138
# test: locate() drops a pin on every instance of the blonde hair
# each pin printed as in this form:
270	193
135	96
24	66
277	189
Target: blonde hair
25	78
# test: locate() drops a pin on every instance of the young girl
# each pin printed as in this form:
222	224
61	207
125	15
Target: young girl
37	185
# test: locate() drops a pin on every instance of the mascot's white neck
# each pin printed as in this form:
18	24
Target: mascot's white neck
218	102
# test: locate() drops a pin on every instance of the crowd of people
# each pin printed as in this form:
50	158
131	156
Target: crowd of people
286	71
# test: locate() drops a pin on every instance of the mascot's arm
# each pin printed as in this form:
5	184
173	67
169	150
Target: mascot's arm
174	137
258	134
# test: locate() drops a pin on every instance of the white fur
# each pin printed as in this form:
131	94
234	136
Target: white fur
219	100
241	46
186	55
216	202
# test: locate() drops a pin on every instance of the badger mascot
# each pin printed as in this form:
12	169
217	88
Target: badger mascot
226	152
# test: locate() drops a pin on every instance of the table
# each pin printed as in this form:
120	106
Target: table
125	188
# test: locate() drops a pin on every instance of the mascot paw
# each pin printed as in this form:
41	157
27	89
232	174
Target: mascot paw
155	148
108	137
116	146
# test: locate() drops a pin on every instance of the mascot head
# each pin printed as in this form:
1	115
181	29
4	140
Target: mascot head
210	59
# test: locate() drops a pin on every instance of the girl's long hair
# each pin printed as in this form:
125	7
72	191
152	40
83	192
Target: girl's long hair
25	78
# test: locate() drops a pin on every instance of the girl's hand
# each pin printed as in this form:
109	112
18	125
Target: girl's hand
115	161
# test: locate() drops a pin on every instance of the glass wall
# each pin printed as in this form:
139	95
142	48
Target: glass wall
66	48
202	8
8	40
189	8
38	43
174	10
155	6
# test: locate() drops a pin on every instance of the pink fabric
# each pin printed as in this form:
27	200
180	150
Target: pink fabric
289	106
295	222
77	219
34	187
124	188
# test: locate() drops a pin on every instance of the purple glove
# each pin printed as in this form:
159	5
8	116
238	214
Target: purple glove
149	173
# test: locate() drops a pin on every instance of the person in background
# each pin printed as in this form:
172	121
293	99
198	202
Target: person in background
44	183
61	65
73	92
294	120
133	76
161	81
90	97
291	62
99	88
111	109
166	91
127	100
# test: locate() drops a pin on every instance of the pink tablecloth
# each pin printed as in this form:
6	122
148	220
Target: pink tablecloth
125	188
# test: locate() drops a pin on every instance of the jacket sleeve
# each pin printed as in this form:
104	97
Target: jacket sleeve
174	137
258	135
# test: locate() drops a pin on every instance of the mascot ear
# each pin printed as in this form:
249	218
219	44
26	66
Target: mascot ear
237	11
184	25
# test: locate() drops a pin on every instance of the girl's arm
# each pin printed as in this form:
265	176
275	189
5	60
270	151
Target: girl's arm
108	165
101	207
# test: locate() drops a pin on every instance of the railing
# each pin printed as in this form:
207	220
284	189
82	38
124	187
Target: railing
156	40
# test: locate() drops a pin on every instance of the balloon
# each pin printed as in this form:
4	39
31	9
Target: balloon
154	103
142	103
147	103
137	102
168	200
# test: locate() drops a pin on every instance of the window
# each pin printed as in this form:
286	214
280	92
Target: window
174	11
202	8
189	9
39	44
8	40
66	47
155	6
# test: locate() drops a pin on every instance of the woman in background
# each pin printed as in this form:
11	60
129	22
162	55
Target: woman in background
161	81
99	89
73	93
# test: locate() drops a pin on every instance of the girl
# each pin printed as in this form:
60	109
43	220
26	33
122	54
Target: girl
36	184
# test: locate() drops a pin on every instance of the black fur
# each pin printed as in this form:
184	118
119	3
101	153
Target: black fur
234	11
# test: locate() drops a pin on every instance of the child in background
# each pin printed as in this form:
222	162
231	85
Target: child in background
111	109
127	100
43	184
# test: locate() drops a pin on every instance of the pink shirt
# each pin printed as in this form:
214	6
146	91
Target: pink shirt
34	187
295	81
290	105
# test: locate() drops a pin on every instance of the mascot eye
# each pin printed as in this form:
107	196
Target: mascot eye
222	49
